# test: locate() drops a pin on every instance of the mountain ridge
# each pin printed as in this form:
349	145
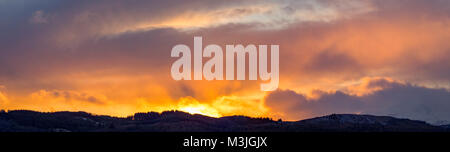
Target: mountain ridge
178	121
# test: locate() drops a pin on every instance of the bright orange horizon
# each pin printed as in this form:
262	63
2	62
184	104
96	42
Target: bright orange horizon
113	57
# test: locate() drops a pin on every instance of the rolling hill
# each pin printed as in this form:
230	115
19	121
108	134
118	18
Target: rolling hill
176	121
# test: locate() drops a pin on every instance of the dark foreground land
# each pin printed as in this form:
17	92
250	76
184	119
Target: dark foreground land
176	121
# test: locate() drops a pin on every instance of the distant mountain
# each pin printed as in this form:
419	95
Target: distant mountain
441	123
446	126
366	123
171	121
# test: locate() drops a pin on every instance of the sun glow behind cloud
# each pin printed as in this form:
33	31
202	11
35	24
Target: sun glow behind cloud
194	107
114	57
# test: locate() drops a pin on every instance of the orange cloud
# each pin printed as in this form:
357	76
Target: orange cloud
117	62
370	85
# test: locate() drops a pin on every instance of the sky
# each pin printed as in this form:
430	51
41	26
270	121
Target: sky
112	57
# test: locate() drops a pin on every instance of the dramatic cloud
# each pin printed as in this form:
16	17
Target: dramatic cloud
381	97
113	57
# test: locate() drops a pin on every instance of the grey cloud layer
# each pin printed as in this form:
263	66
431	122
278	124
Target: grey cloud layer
396	99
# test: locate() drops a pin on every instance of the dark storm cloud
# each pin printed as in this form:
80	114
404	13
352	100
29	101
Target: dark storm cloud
396	99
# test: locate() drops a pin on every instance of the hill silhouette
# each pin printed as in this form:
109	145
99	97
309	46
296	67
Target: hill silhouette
177	121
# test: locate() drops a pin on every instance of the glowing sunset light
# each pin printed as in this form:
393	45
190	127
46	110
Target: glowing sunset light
114	57
203	110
